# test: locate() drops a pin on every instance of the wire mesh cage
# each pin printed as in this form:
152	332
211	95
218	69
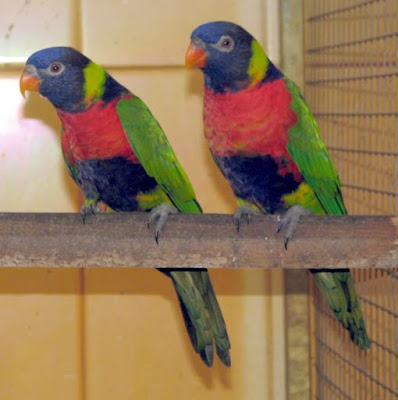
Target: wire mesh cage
351	80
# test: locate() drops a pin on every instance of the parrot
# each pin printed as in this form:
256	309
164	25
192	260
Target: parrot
266	142
119	156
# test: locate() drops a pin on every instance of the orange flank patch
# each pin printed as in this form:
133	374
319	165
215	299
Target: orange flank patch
253	121
95	133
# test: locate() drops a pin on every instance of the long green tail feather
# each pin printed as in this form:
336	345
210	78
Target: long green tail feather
202	314
338	289
217	321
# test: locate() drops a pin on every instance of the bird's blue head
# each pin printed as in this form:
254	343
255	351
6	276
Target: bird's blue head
66	77
230	58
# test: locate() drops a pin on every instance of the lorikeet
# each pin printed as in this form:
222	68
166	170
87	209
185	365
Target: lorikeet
266	142
118	154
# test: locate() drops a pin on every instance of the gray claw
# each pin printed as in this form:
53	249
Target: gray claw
291	220
285	242
88	209
160	215
244	214
282	223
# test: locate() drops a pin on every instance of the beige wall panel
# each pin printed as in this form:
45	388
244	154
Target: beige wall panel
137	346
33	177
29	25
39	336
155	32
39	309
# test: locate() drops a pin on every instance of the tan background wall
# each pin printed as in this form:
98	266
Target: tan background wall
101	334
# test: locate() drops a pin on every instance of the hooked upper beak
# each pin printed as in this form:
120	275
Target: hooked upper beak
196	55
29	80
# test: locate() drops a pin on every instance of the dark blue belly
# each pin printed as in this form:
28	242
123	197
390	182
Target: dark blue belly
257	180
116	181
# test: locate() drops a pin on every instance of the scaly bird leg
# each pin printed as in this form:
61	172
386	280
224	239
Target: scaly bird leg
244	214
90	207
160	213
291	220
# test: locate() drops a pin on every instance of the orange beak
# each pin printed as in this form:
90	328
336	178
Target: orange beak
195	57
29	81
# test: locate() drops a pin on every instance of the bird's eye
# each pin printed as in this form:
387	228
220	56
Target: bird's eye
56	68
225	43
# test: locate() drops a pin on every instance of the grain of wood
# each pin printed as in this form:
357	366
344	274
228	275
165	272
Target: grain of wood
195	241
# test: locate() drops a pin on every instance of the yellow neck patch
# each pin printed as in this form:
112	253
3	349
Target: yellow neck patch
258	63
94	79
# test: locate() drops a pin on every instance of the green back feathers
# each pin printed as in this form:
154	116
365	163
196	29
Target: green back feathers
311	156
154	152
148	141
312	159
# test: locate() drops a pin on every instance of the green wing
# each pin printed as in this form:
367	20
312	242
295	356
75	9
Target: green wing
154	152
202	314
312	159
311	156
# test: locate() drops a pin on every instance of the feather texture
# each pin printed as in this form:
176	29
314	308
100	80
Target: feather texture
267	144
117	153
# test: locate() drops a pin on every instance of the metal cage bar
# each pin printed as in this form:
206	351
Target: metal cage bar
351	84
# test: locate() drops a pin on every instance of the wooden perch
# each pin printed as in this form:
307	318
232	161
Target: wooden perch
205	240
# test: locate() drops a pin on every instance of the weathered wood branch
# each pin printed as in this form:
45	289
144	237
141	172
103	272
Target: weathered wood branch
206	240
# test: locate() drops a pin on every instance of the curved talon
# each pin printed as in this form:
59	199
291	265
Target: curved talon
282	223
291	220
88	208
160	213
286	241
243	214
236	223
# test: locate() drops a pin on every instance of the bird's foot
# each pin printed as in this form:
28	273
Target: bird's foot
90	207
160	215
244	213
291	220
